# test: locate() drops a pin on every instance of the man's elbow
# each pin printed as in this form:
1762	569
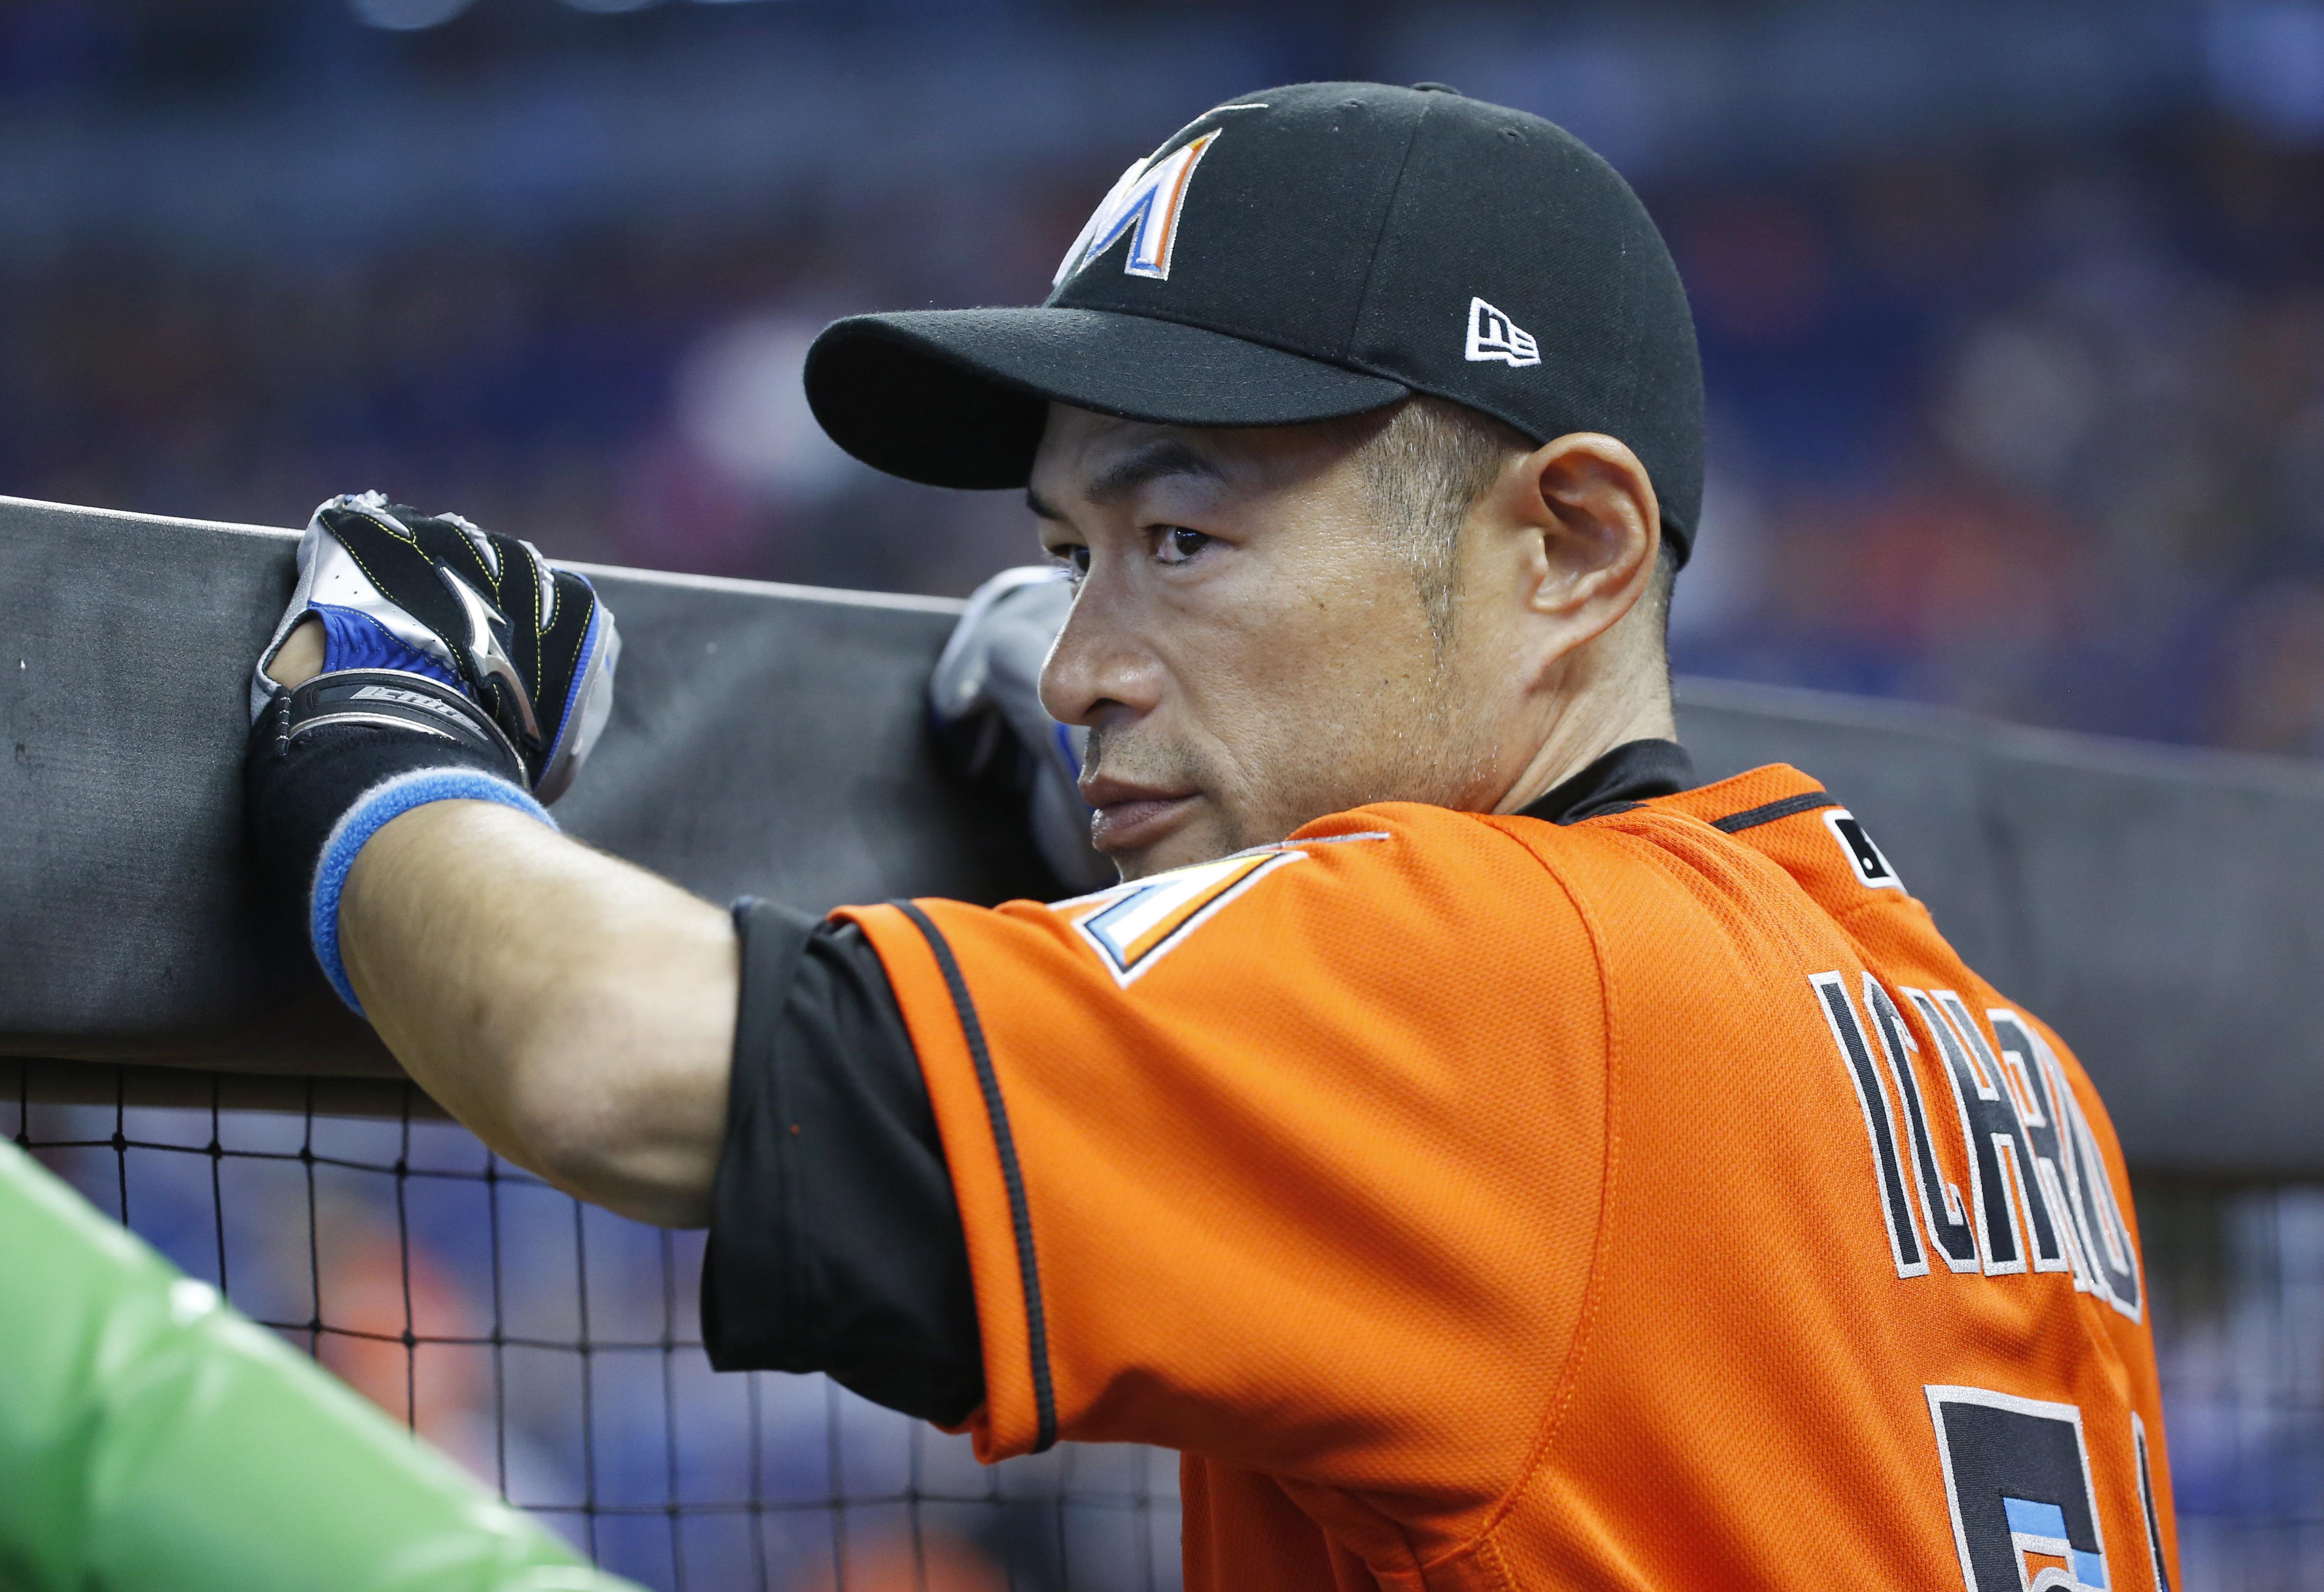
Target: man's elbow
639	1144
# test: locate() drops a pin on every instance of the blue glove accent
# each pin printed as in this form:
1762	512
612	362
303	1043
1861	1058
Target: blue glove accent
373	811
576	716
353	640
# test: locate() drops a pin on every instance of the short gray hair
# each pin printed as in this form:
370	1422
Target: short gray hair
1426	466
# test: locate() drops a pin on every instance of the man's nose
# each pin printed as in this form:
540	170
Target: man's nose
1098	670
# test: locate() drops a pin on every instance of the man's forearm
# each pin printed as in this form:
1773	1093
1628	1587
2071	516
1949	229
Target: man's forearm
579	1015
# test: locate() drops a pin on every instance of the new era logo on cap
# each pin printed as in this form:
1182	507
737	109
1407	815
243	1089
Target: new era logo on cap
1494	336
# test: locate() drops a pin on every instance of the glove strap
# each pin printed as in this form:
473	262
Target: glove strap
336	758
397	699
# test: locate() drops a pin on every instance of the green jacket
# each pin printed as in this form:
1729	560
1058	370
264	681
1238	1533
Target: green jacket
153	1438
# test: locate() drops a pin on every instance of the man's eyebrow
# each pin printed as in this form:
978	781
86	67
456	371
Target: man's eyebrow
1155	461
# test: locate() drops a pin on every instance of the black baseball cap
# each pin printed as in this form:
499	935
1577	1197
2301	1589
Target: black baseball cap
1303	253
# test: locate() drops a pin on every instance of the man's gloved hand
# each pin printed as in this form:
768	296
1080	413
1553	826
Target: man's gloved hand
456	662
985	695
434	595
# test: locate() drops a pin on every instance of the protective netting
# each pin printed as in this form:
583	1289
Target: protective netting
554	1350
2238	1287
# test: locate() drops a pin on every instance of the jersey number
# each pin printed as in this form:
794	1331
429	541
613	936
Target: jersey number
2017	1479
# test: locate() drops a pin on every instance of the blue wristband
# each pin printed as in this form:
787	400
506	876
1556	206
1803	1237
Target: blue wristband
373	811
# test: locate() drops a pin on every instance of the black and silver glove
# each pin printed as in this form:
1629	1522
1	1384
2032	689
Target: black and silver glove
457	662
986	695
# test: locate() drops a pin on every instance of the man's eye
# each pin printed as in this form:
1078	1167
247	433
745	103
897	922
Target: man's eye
1074	557
1177	544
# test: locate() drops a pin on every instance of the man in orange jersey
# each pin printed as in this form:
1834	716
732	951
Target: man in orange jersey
1491	1160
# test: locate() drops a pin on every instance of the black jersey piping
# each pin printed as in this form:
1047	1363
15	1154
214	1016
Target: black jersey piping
1021	1217
1752	817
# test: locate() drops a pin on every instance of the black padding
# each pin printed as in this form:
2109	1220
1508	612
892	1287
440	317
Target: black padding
2153	903
128	904
2158	906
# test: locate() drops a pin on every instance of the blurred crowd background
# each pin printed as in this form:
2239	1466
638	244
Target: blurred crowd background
2013	318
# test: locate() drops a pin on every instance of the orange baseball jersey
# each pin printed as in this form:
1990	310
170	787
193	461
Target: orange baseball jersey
1651	1200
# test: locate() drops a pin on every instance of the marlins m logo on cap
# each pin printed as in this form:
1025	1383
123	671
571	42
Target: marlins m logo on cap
1144	204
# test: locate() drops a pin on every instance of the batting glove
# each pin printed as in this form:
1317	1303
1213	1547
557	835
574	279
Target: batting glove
457	663
986	695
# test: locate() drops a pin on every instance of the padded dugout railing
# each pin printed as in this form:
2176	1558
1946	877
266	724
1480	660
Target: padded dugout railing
2155	905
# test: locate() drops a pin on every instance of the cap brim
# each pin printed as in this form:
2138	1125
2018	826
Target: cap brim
958	396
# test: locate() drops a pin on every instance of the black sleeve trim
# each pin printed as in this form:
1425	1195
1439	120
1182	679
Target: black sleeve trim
1021	1217
835	1240
1752	817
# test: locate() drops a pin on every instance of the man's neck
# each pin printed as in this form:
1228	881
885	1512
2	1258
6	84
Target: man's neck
1587	731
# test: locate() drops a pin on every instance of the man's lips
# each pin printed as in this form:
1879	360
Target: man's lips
1130	815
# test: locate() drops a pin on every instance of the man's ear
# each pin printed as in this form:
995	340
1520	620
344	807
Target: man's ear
1590	502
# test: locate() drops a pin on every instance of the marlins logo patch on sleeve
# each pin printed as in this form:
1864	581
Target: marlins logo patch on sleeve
1132	926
